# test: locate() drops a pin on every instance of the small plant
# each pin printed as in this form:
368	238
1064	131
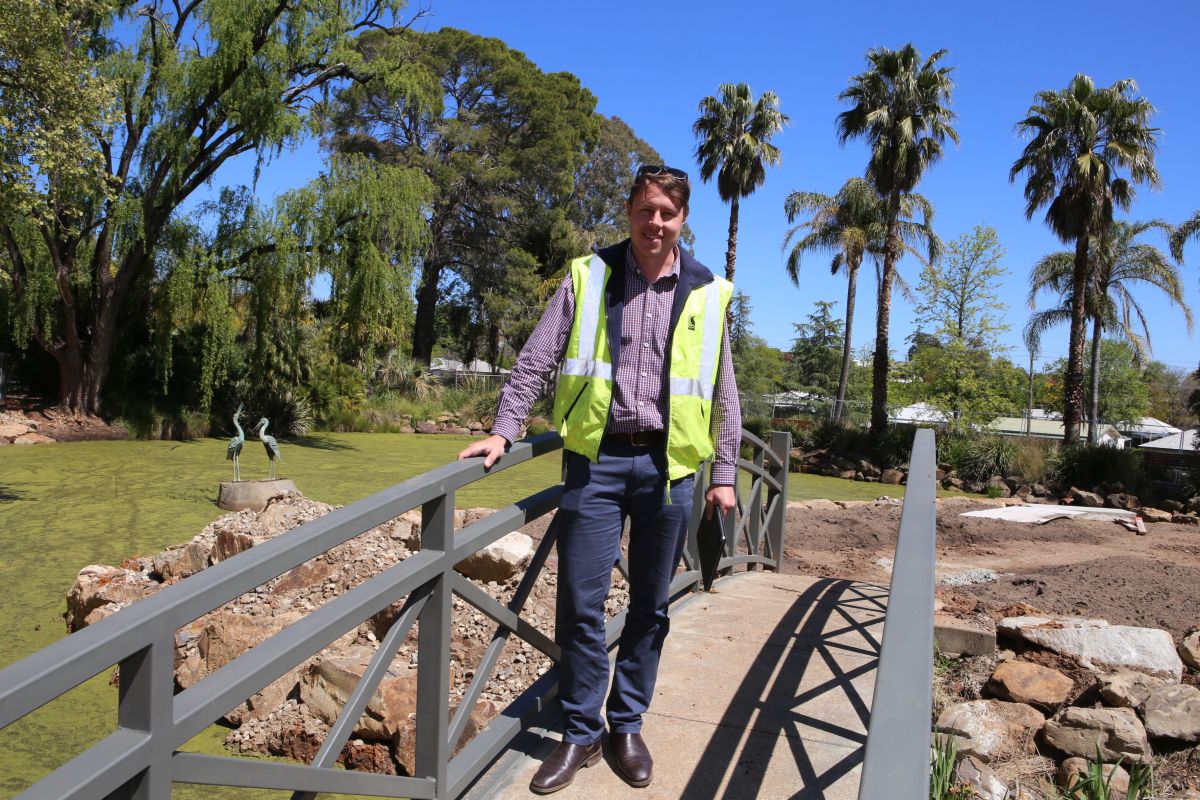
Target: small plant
943	758
986	456
1096	784
993	492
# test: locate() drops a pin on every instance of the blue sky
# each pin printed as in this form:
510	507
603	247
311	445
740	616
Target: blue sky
650	64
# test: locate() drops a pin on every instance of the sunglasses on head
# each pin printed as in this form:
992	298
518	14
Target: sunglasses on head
661	169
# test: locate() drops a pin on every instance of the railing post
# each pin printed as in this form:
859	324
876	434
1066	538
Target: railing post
781	443
433	652
754	507
145	703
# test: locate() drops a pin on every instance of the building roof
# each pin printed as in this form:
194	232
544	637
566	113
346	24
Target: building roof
1046	428
1184	440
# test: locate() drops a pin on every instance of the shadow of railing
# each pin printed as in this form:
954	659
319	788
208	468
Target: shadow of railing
141	757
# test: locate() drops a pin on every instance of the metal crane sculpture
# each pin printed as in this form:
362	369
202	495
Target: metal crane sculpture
234	448
271	446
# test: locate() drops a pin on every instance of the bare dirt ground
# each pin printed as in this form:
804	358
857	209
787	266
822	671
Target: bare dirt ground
1087	568
60	425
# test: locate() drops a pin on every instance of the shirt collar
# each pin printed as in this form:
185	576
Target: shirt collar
632	266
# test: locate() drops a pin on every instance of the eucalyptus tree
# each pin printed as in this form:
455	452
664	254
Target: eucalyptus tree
92	176
851	224
500	140
733	135
899	106
1079	137
1116	261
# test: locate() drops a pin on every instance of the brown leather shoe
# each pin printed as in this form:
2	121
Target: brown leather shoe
634	763
559	768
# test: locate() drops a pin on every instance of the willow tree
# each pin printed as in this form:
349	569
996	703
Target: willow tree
170	93
1079	137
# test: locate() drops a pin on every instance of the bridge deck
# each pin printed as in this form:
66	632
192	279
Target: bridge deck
764	692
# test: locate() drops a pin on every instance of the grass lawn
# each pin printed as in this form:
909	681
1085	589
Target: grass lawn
67	505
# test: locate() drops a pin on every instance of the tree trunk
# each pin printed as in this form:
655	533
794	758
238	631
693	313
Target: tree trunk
844	377
1073	388
424	332
883	311
731	251
1094	406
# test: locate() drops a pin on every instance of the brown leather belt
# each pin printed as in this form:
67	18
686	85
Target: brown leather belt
638	439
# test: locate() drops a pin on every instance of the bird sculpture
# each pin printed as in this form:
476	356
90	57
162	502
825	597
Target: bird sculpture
271	446
234	449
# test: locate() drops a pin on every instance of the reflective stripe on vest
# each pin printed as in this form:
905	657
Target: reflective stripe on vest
702	386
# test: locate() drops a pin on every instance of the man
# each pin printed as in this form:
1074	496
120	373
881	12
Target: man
637	329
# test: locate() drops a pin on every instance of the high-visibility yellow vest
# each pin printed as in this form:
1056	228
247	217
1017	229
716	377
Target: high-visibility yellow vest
585	385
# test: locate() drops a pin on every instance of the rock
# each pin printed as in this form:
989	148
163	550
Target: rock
97	586
253	495
1185	519
1038	490
327	684
984	783
1116	731
231	542
891	476
426	426
1024	491
1099	646
1193	504
991	728
1173	712
1022	682
961	636
12	430
458	430
1128	689
1127	502
1174	506
1075	769
1189	650
1081	498
226	635
1153	514
32	438
500	560
179	562
953	483
974	487
868	469
998	487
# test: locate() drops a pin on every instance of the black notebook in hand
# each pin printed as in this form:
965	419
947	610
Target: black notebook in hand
711	539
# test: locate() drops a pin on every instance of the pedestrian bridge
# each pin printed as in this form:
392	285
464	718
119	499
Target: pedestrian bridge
773	686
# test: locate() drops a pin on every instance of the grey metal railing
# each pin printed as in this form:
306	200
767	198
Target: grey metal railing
896	763
140	759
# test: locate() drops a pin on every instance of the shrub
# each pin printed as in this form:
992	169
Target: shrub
1087	465
986	456
1034	457
952	448
894	447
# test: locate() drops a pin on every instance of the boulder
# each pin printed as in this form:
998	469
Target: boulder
179	562
990	729
226	634
1127	502
500	560
974	487
998	486
1189	650
1174	506
1173	712
1154	515
425	426
1185	519
1081	498
231	542
327	684
984	783
12	430
1099	646
1075	769
1193	504
1038	490
98	586
1128	689
868	469
953	483
32	438
253	495
891	477
1117	732
1023	682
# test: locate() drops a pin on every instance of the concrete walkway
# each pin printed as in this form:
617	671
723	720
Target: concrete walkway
764	692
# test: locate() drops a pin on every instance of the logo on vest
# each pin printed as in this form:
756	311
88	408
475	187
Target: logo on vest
692	323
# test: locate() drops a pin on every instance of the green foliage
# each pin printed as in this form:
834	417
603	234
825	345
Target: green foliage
1088	465
1034	458
1124	394
985	456
1097	782
817	351
758	366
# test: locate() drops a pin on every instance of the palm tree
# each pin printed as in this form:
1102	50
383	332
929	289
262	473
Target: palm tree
899	108
1188	230
850	224
734	131
1079	137
1116	259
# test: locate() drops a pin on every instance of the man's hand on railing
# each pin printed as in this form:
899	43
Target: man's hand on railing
491	448
722	496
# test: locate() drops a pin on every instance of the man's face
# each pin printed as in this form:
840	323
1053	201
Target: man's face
655	221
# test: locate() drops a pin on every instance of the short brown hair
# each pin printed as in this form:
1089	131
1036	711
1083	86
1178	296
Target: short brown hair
674	187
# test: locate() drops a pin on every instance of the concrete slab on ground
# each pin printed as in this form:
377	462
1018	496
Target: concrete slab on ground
764	692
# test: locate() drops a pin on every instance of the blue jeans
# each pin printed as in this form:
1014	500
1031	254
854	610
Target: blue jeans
626	481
